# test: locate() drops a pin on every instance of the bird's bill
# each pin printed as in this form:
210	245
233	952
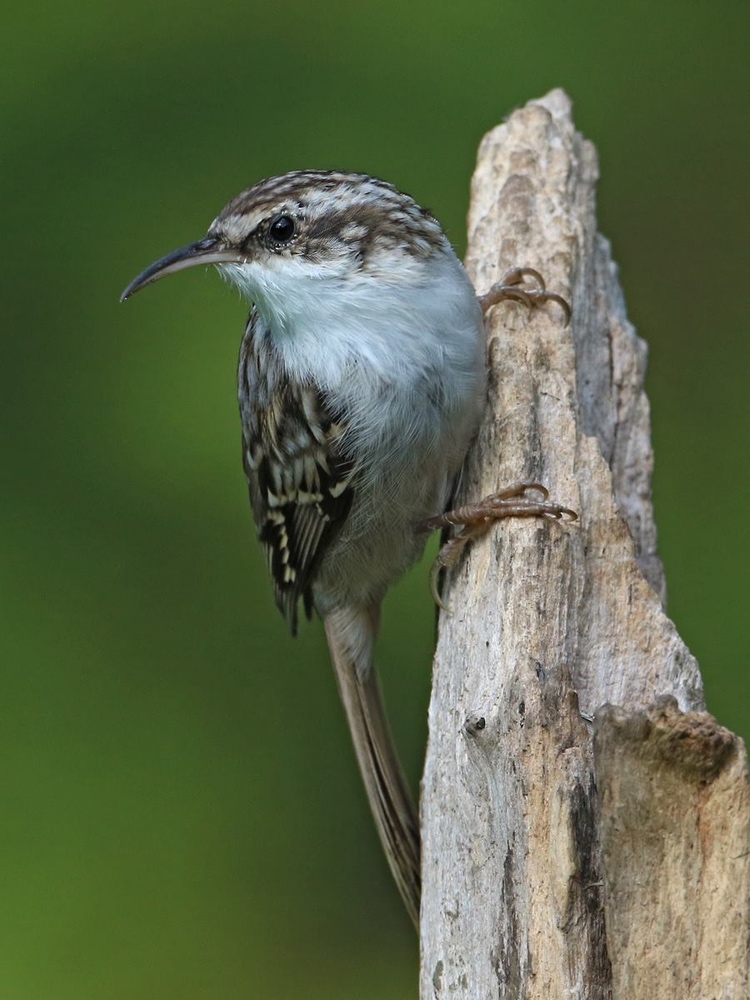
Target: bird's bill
205	251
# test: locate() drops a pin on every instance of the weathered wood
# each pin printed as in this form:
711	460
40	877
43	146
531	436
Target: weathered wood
675	836
533	877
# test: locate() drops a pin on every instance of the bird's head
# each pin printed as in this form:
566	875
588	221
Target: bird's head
309	226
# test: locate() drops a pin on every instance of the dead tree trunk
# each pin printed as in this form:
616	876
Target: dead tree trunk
560	862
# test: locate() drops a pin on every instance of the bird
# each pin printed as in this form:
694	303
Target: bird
362	380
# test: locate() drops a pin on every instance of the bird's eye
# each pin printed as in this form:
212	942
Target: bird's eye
282	229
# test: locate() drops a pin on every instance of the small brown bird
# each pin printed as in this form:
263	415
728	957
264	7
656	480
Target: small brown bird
362	380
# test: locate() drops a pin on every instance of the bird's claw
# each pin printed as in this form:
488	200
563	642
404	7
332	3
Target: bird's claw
475	519
510	288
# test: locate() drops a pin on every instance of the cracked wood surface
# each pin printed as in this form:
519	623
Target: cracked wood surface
556	864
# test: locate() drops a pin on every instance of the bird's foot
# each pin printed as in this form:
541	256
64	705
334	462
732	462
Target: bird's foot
515	286
475	519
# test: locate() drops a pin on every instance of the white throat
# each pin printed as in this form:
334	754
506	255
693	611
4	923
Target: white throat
323	318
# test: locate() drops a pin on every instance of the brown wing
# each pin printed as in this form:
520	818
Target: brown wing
300	481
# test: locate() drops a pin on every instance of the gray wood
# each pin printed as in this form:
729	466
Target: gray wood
552	866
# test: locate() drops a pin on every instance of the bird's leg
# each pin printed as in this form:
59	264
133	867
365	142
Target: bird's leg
475	519
521	499
512	287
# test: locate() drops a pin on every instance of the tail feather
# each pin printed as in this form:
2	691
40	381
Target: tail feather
350	634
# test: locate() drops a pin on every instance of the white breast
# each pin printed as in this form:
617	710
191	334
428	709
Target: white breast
404	353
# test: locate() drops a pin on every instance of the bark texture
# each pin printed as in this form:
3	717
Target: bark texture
561	859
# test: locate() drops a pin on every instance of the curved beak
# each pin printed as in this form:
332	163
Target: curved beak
209	250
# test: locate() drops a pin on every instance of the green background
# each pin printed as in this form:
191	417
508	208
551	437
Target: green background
181	817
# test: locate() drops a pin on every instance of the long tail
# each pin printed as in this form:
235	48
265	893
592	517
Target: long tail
350	633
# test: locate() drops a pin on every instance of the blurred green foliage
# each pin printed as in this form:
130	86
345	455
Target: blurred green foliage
181	815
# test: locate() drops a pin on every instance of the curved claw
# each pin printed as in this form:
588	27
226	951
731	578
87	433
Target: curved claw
516	275
508	289
527	487
553	511
519	295
563	303
434	575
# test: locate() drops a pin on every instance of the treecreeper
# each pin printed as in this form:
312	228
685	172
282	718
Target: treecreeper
362	381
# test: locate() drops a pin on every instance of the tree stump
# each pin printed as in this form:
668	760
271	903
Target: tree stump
565	858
